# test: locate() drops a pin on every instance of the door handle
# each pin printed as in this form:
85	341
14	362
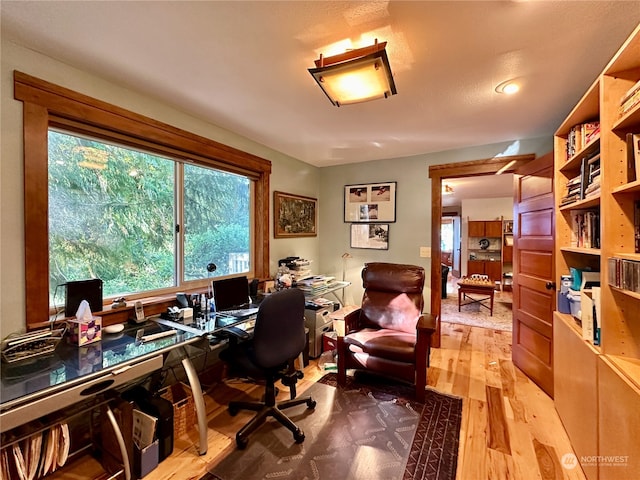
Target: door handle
550	285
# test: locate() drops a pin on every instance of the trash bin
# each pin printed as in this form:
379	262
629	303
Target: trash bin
445	274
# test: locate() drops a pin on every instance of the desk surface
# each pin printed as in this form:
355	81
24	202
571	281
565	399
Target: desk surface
69	365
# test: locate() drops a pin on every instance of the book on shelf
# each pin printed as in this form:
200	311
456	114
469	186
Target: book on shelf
582	135
585	229
630	99
636	225
624	274
633	157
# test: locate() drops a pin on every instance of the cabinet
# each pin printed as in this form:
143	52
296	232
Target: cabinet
485	248
613	387
485	228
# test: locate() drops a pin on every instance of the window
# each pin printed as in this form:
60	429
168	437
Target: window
112	215
138	203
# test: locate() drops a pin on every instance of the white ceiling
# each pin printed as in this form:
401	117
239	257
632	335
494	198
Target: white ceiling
485	186
243	65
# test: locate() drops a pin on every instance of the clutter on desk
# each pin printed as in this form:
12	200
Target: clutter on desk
22	346
85	328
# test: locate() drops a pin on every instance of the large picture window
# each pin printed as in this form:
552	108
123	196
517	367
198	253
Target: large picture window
142	205
113	215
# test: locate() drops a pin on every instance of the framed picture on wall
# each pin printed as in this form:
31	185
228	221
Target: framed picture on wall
294	215
371	235
370	202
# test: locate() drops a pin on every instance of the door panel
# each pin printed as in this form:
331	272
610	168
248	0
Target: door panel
533	270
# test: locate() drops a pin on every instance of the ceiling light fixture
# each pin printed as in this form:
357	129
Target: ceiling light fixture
355	76
447	189
508	87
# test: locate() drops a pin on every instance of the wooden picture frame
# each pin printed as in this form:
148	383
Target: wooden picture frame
294	215
370	202
373	236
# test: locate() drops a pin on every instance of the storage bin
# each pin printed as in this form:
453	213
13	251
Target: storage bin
184	411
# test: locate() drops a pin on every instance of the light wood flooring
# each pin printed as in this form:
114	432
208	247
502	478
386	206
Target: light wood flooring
510	429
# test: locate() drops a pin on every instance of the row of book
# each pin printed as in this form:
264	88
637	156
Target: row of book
587	183
624	274
582	135
633	157
630	99
585	229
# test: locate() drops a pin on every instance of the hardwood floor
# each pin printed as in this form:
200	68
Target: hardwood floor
510	429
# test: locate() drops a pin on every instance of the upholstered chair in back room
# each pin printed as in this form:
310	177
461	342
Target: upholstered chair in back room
389	335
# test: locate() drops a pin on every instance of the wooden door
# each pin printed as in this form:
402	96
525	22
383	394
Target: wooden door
493	229
533	272
476	229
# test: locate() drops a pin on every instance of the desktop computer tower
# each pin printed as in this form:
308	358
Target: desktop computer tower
318	321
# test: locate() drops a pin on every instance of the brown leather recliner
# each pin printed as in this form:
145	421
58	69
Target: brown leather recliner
389	334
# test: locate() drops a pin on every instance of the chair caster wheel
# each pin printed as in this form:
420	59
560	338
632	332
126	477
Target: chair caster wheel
242	442
298	436
311	404
233	410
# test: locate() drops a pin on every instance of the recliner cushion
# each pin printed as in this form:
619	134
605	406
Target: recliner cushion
384	343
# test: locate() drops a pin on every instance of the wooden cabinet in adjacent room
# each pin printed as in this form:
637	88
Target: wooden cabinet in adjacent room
485	228
485	267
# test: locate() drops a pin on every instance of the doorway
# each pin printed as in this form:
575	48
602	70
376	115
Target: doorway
439	174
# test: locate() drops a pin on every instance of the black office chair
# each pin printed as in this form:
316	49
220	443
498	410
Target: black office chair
278	339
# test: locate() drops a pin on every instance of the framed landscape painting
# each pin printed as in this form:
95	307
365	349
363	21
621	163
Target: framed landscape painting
370	202
294	215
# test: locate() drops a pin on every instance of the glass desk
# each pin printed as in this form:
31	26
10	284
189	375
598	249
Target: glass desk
37	387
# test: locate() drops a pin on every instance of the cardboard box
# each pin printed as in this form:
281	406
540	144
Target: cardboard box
85	332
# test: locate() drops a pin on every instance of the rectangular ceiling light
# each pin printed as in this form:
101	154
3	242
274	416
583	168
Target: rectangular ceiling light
355	76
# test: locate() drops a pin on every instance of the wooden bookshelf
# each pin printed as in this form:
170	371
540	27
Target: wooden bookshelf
601	382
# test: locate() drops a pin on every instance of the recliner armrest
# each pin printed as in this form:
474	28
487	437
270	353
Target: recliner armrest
352	321
426	324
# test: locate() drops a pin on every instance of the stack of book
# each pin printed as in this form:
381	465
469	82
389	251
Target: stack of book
591	176
582	135
574	192
630	99
585	229
314	285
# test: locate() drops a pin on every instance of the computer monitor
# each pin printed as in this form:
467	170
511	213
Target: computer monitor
231	293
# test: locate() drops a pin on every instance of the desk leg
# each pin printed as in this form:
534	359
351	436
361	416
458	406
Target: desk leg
120	439
198	399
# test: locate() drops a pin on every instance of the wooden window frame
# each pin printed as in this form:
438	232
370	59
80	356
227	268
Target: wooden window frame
46	105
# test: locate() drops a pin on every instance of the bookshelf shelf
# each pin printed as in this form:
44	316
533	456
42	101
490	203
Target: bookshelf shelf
631	187
629	119
574	162
586	203
583	251
612	370
626	292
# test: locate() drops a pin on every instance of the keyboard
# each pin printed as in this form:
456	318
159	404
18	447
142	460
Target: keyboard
241	312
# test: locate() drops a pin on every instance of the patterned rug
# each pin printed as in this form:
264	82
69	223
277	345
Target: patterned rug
475	315
365	431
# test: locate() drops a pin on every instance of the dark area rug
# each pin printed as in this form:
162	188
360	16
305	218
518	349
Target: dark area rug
368	430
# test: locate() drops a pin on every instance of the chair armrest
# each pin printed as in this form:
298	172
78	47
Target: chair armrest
352	321
426	324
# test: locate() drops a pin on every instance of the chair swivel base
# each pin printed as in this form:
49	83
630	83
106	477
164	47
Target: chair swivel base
263	412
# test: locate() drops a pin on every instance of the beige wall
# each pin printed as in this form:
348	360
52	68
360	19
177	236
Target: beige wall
412	228
289	175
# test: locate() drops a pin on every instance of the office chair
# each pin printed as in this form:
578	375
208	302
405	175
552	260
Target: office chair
278	339
389	335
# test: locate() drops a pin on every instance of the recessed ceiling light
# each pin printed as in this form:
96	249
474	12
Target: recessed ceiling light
508	87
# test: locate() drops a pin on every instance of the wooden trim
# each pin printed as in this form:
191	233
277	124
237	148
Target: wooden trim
46	104
452	170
